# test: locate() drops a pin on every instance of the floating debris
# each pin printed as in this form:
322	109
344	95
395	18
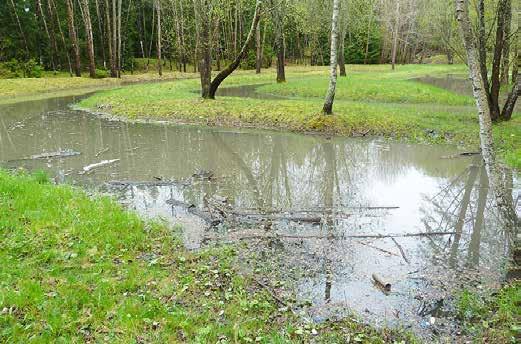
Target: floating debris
65	153
91	167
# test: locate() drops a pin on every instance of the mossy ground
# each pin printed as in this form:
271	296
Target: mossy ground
76	269
371	100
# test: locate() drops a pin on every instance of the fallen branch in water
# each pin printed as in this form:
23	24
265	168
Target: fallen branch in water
292	218
91	167
124	183
314	210
101	152
49	155
360	236
379	249
401	250
460	155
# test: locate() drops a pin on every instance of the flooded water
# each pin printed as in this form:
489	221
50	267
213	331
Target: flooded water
454	83
318	216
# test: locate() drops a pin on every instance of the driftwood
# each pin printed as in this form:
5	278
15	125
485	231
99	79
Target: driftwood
49	155
289	215
315	210
460	155
359	236
124	183
91	167
261	217
385	285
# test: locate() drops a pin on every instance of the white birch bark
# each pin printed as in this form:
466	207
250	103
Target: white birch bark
330	96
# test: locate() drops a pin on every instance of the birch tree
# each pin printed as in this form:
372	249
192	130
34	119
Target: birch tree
330	96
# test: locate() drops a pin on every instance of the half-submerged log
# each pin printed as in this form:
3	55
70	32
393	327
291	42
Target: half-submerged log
65	153
381	283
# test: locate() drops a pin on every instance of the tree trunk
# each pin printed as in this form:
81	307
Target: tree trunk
482	48
101	33
515	66
395	34
203	18
258	55
73	37
159	66
244	51
510	103
115	38
109	37
330	96
119	38
478	88
52	9
368	38
89	36
341	50
20	29
278	19
51	39
506	46
496	61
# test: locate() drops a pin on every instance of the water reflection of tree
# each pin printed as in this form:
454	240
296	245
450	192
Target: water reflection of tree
466	207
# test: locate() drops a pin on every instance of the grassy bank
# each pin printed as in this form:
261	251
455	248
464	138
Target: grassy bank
372	100
80	269
13	90
493	318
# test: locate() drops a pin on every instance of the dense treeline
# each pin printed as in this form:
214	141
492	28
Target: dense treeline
124	35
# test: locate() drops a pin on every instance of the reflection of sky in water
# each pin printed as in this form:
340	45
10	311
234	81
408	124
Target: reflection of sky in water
286	171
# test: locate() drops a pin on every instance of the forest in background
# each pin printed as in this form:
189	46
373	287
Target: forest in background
106	37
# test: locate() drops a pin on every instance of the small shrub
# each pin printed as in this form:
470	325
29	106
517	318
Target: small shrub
102	74
32	69
18	69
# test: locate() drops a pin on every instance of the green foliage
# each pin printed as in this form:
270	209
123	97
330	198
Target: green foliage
250	62
102	73
17	69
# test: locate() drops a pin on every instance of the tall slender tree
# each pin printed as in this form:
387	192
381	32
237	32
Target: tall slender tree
278	10
90	38
73	37
159	62
330	95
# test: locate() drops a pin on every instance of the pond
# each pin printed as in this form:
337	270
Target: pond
319	217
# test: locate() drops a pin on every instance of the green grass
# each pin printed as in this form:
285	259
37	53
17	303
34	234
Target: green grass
372	100
75	269
493	319
21	89
374	84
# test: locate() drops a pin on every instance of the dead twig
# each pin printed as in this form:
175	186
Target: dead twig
379	249
401	250
101	152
